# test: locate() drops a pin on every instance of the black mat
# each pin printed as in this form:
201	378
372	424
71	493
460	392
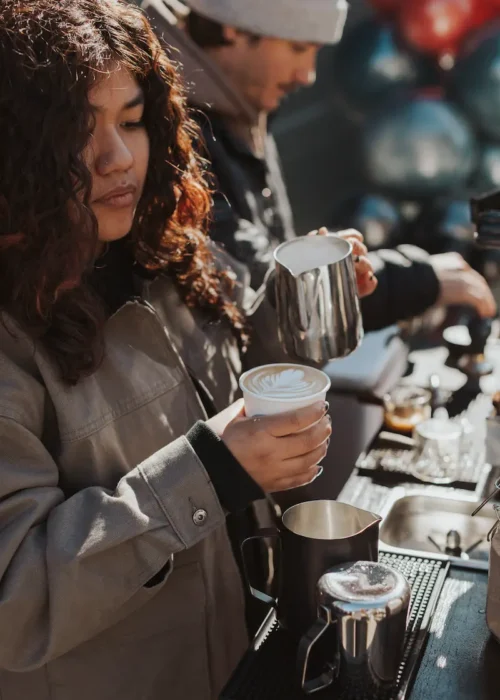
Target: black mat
267	672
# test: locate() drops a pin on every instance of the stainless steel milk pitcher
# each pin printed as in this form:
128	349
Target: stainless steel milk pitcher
314	536
366	606
319	315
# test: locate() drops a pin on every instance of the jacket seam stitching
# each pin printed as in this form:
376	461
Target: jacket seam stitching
160	504
124	408
9	412
49	682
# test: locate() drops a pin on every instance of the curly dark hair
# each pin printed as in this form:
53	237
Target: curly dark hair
51	51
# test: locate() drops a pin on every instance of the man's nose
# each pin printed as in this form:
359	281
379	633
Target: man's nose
305	76
306	71
114	155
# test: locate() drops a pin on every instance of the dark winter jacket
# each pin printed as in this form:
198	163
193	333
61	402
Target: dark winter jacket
252	213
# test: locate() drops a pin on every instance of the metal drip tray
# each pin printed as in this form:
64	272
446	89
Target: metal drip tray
397	464
267	671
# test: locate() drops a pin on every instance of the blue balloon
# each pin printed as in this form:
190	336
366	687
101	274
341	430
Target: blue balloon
456	221
418	149
487	175
371	63
475	84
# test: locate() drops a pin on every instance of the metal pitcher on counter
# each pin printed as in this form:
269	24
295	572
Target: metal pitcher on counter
315	536
319	316
366	606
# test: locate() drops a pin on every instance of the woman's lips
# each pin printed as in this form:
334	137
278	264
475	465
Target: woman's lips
120	198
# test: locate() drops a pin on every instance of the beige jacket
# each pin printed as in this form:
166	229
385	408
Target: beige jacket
98	491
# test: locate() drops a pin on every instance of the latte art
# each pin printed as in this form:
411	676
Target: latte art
273	389
285	383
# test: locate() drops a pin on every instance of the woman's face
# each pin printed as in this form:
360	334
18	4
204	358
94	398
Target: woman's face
118	152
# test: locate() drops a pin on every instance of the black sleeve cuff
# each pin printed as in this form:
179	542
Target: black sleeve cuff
234	487
408	287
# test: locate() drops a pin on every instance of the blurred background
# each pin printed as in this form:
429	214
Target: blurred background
401	128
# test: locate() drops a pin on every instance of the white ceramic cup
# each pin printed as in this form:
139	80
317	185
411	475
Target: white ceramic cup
278	388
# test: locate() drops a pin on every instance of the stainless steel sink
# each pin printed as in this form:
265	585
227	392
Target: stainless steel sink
435	525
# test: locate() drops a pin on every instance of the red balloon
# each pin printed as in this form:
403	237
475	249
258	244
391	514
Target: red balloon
436	26
484	11
387	6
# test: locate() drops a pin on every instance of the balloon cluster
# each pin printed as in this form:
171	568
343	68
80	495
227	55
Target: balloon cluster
423	77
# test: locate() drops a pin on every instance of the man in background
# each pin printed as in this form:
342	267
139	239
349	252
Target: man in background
240	59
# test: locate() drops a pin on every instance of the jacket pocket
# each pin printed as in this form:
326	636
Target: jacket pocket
158	651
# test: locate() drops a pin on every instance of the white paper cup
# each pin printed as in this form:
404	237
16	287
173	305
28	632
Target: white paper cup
258	404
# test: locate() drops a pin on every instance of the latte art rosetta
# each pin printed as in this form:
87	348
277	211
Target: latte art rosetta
287	383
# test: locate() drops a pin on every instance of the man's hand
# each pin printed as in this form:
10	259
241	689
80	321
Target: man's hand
366	280
461	285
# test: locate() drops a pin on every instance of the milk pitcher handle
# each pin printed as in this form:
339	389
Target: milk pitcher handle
262	533
304	652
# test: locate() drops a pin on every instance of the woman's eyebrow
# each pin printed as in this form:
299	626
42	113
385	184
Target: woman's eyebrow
136	101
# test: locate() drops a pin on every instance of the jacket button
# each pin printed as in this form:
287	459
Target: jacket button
200	516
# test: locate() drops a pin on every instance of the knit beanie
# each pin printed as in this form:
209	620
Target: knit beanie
311	21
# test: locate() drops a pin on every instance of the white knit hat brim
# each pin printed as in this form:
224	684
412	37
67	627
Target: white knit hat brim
314	21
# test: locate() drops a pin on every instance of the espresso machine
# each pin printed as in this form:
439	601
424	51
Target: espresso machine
486	217
466	345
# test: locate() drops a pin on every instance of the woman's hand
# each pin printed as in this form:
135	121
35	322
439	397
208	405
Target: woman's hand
367	282
279	452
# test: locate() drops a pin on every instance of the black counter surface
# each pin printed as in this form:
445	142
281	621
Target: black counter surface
462	660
